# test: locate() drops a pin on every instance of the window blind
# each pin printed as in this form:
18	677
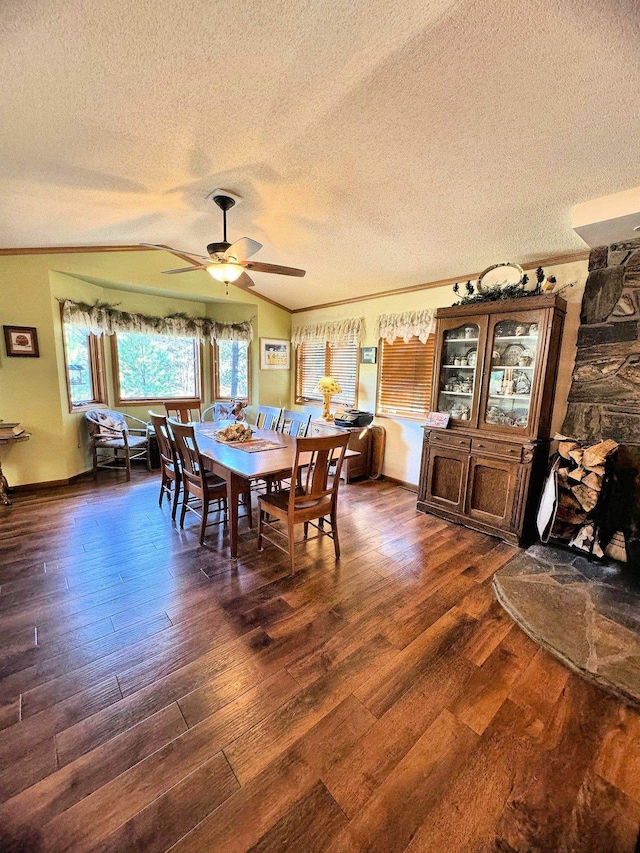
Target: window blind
406	375
314	360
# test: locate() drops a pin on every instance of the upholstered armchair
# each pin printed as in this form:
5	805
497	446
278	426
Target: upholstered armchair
115	438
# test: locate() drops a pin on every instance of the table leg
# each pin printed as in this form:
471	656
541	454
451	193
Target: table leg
4	488
235	486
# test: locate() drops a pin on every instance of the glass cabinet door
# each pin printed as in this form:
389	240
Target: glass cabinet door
513	350
458	371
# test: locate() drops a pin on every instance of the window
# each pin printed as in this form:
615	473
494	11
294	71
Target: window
314	360
405	376
83	355
156	367
231	378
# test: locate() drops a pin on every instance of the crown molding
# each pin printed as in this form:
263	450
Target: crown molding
552	260
72	250
81	250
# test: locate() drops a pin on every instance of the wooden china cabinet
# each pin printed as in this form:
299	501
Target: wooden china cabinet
495	374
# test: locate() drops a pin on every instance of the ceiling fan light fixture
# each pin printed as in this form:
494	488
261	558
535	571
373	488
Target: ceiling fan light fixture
225	272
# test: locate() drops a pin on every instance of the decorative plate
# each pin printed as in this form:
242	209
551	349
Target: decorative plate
511	354
472	357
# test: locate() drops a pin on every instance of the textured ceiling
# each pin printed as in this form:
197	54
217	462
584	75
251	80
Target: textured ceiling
377	144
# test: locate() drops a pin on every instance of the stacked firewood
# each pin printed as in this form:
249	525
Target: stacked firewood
581	472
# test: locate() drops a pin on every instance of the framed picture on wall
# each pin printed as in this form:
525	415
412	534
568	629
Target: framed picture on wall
275	354
368	355
21	341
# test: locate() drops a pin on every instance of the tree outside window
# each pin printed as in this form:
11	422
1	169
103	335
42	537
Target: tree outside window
232	370
84	363
157	367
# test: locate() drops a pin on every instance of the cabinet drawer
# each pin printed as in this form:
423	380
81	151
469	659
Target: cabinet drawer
508	450
320	429
450	439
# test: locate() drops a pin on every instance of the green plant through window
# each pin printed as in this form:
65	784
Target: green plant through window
78	364
157	367
233	370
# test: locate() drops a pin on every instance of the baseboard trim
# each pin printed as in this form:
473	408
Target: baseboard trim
50	484
411	487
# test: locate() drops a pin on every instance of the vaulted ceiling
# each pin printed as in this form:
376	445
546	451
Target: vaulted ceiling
376	143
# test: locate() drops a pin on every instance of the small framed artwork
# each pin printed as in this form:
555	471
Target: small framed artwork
21	341
275	354
368	355
438	419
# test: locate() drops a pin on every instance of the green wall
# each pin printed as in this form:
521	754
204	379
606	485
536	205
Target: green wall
33	391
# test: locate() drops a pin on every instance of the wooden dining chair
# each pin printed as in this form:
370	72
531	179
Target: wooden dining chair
294	423
291	423
268	417
170	470
197	482
186	411
312	501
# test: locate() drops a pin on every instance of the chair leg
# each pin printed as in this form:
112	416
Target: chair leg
247	503
203	522
176	499
306	529
163	483
128	464
334	527
292	563
260	523
95	463
185	498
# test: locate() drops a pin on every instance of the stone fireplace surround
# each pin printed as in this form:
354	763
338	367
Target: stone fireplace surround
588	613
604	400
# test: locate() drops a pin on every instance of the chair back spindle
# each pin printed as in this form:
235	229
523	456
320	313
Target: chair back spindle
268	417
295	424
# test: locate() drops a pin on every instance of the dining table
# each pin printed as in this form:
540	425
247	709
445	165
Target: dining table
237	466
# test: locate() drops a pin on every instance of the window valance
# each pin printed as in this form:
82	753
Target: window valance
102	318
331	332
406	325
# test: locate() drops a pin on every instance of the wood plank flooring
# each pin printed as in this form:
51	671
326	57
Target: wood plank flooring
156	696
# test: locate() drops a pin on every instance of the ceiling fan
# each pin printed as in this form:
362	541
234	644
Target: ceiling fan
227	262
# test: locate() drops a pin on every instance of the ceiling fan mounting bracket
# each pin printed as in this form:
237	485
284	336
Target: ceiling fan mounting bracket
229	197
224	202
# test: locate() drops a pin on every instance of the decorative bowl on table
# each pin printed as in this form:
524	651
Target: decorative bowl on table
235	433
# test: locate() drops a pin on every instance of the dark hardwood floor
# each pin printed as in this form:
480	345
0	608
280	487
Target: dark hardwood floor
156	696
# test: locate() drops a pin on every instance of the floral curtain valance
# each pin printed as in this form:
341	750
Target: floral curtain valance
405	325
332	332
102	318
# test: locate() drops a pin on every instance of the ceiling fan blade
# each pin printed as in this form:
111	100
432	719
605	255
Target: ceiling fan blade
257	266
243	249
184	269
244	281
179	252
